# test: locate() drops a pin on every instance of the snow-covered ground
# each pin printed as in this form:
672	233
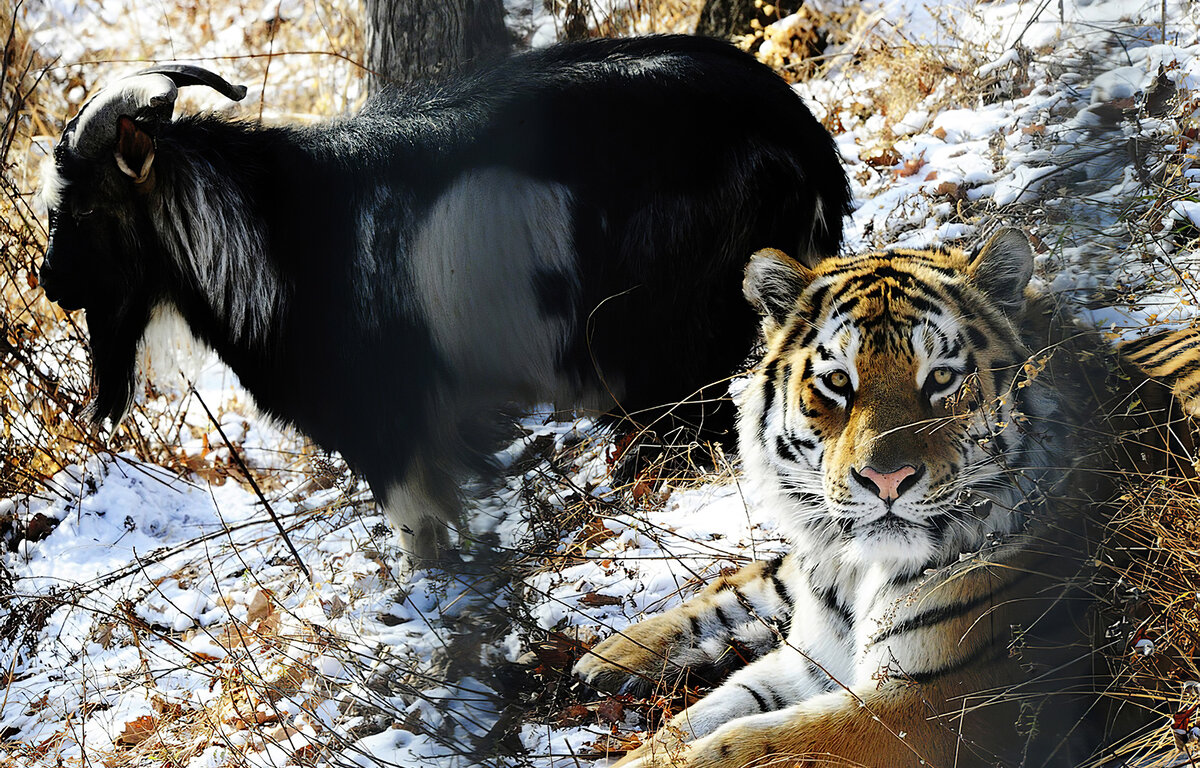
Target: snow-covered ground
163	619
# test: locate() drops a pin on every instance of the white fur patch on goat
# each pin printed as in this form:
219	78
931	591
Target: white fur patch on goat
99	114
475	261
53	185
168	348
225	254
820	224
418	513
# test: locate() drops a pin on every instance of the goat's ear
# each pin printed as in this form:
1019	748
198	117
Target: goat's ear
774	281
135	150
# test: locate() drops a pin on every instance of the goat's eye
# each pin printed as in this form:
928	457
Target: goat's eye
838	381
83	213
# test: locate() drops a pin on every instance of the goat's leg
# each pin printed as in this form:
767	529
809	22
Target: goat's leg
420	505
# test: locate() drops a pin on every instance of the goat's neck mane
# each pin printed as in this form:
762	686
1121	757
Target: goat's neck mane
210	226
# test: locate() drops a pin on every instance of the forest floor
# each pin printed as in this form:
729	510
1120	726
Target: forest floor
151	610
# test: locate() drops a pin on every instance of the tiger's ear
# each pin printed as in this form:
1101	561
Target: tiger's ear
773	282
1002	267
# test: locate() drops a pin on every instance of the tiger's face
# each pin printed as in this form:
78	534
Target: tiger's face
891	415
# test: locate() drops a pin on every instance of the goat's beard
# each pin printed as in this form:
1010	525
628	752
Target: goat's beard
115	332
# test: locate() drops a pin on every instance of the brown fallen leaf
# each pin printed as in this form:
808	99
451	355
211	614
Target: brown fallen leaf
611	744
576	714
642	489
910	167
611	710
881	157
1160	95
948	188
558	652
260	606
595	600
136	731
40	526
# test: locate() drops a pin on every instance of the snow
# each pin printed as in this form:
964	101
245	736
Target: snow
160	587
1188	209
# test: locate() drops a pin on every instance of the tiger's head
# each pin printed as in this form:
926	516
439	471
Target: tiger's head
899	415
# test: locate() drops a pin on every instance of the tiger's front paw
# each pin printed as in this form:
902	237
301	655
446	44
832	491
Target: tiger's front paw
636	659
724	749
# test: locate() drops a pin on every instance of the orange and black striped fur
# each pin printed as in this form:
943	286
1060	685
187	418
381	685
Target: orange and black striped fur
1173	359
1160	378
920	424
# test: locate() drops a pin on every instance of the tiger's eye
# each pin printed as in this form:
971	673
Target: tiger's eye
837	380
942	376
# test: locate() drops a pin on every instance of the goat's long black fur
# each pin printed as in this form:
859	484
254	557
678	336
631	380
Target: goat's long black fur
567	226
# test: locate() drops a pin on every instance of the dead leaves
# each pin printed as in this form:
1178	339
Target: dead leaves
259	606
592	536
558	653
909	167
137	731
612	710
246	702
595	600
609	711
615	744
881	157
886	158
574	715
949	189
264	692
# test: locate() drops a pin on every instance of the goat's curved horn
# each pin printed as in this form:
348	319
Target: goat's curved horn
186	74
147	95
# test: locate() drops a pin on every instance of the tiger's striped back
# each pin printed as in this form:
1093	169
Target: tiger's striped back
1173	359
1157	406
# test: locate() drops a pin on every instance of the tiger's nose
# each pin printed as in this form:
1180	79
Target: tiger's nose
888	485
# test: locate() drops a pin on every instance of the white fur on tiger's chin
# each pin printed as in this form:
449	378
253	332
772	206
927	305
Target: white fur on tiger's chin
168	351
904	547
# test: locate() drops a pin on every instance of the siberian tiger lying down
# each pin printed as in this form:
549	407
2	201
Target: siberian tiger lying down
921	424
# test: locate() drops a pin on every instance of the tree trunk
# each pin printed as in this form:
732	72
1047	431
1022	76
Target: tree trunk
420	39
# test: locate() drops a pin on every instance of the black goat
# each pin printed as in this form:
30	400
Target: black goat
568	226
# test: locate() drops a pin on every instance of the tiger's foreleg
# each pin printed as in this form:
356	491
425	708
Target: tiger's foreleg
888	726
772	684
733	621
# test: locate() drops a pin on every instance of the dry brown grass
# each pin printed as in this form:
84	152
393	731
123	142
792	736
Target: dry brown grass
650	17
1153	562
44	359
795	45
44	381
40	430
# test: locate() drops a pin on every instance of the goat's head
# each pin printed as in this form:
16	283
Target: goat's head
100	255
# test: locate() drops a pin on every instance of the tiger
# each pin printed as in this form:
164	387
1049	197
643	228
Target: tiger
925	425
1172	359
